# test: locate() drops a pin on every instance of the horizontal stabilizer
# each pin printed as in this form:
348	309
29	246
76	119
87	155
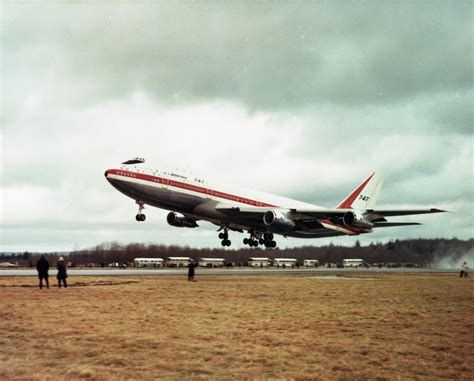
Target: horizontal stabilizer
402	212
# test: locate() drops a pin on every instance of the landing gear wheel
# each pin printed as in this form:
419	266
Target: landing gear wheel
140	216
268	236
270	244
224	236
246	241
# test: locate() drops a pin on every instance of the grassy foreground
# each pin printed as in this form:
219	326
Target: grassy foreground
373	327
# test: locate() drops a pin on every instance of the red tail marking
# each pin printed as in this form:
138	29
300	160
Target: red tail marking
346	204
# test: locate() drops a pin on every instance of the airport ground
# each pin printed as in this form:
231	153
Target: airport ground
358	326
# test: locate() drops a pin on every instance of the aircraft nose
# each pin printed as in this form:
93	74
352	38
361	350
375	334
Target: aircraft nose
106	173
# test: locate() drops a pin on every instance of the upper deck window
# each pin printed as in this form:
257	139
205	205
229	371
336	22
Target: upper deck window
135	160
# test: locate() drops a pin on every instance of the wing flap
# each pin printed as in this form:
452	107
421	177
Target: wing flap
338	228
394	224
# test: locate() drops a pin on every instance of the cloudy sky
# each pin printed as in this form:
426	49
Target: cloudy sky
302	99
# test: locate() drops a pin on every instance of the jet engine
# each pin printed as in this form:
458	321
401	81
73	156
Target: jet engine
180	221
278	218
355	219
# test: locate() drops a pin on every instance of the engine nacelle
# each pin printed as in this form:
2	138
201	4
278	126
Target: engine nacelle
278	218
356	219
180	221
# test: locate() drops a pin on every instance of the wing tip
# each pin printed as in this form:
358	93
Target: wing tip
435	210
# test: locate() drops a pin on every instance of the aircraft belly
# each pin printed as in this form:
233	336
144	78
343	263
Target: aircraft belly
185	201
320	233
140	191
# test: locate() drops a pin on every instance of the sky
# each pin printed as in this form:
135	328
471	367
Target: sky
301	99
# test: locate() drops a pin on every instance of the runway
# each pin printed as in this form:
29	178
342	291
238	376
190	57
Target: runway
231	271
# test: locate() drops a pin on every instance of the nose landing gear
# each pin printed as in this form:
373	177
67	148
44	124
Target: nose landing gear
140	217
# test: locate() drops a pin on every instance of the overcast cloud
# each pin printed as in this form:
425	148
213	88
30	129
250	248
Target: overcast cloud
302	99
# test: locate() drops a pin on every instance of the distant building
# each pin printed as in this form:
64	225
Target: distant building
284	262
259	262
8	264
310	263
352	262
148	262
178	261
211	262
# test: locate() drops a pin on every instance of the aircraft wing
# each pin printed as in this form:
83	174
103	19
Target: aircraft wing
321	213
321	217
297	214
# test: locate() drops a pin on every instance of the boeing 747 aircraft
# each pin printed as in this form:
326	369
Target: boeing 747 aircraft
191	199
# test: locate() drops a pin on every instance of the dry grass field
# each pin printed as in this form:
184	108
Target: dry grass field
367	327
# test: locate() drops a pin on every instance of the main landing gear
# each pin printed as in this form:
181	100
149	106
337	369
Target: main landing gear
224	236
140	217
264	239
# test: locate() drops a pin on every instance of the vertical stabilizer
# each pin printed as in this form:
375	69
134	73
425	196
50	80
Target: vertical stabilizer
365	195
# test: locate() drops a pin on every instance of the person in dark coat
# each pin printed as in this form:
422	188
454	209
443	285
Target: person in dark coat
62	273
43	267
191	272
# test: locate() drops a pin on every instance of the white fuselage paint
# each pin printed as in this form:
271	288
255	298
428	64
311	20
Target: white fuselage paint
196	198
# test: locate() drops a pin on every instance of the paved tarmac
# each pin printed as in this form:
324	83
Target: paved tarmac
229	271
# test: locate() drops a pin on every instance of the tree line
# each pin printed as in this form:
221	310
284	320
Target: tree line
422	251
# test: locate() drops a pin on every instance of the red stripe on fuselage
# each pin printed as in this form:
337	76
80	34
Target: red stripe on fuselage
187	186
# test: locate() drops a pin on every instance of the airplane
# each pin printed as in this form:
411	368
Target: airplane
191	199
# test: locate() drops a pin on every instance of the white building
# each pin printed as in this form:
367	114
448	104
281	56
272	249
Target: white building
148	262
352	262
310	263
178	261
259	262
284	262
211	262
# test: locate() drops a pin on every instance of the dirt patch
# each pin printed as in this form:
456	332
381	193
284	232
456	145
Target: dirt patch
74	284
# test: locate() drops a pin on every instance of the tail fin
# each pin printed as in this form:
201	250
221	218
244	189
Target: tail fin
365	195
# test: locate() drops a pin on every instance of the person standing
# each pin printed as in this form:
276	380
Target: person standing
464	270
43	267
62	272
191	272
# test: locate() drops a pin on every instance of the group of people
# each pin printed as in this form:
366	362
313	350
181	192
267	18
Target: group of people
43	268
